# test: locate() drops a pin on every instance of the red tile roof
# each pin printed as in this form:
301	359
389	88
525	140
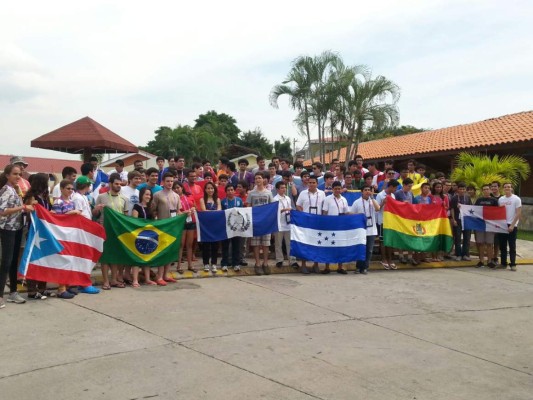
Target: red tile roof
46	165
508	129
84	133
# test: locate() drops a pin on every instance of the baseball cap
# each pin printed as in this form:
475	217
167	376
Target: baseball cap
18	160
82	180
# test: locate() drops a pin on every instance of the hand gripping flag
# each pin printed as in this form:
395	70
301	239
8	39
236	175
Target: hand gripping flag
135	241
416	227
214	226
484	218
327	238
61	248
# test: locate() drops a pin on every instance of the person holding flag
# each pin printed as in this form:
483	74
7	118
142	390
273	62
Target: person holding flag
485	239
11	223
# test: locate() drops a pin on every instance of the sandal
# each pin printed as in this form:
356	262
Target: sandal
161	282
128	282
193	269
135	285
393	266
179	270
119	285
385	265
150	283
106	287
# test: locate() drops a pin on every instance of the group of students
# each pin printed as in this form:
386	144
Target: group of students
166	191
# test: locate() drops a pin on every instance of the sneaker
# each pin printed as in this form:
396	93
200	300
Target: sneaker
88	290
466	258
295	265
457	258
305	271
237	268
258	270
65	295
316	269
325	271
206	268
15	298
279	264
73	290
502	266
37	296
224	268
513	267
479	264
491	265
214	268
266	269
341	271
495	260
244	263
2	303
364	272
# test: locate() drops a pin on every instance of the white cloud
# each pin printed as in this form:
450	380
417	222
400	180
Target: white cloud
134	66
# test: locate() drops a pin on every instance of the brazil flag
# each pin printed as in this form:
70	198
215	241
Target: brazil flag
134	241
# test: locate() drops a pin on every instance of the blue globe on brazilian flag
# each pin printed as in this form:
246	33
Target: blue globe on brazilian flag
134	241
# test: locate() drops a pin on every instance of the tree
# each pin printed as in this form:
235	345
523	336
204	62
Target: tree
220	124
374	134
282	148
480	169
257	141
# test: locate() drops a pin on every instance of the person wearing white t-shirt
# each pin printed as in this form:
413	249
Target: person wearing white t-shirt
311	201
335	205
131	192
284	209
68	173
513	209
368	206
120	170
381	199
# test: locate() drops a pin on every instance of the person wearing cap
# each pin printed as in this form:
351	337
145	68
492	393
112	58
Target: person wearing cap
23	185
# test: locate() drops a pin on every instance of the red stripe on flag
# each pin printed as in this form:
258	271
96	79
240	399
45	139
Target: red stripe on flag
71	221
494	213
418	212
45	274
80	250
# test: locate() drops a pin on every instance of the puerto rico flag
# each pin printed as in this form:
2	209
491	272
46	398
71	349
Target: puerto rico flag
484	218
61	248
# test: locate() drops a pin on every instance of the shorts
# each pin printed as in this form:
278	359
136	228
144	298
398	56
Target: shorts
484	237
260	240
190	226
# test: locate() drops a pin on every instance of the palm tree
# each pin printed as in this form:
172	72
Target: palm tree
366	106
480	169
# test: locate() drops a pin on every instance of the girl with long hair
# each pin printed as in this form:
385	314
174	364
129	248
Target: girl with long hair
187	238
210	202
143	210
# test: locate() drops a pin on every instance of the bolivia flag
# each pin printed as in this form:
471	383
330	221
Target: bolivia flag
416	227
135	241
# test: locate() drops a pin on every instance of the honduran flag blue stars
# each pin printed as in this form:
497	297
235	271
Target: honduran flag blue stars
328	239
214	226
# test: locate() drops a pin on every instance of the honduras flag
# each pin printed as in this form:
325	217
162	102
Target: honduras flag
484	218
214	226
328	239
351	196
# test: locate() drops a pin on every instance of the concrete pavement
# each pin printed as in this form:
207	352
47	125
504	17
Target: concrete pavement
461	333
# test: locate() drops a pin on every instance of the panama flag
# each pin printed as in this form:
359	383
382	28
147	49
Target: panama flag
61	248
100	181
484	218
327	238
214	226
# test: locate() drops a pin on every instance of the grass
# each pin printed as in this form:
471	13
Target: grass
525	235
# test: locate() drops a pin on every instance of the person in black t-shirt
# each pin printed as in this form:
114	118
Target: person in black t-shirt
485	240
462	247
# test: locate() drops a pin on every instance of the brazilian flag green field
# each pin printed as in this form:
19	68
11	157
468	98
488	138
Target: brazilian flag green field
135	241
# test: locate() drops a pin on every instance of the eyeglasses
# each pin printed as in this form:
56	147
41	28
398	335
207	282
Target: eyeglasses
390	173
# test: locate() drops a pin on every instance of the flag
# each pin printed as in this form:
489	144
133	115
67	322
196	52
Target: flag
100	181
135	241
327	238
214	226
416	227
351	196
484	218
61	248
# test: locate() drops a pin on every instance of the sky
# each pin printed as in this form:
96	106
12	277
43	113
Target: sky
135	66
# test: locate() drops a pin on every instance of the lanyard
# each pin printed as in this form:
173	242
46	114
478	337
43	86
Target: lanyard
186	202
369	208
144	210
337	204
282	200
316	203
112	202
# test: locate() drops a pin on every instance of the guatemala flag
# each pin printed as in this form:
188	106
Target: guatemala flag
327	238
214	226
61	248
484	218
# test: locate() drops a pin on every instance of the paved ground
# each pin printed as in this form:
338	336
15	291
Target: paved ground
411	334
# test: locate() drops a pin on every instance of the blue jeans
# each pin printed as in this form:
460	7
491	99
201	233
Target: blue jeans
462	247
364	264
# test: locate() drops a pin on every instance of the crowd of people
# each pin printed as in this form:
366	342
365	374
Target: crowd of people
174	188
